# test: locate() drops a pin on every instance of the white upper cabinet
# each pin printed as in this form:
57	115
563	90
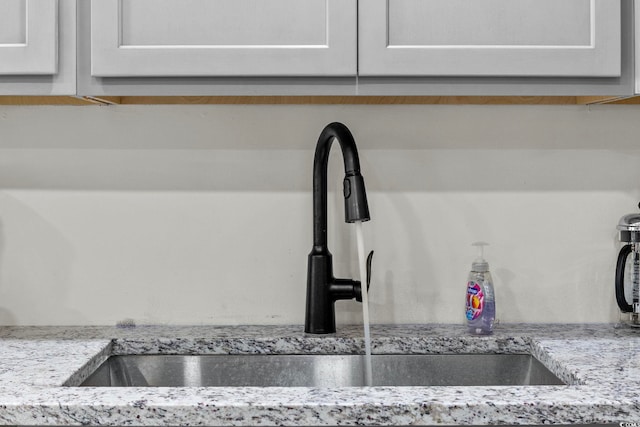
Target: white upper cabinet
181	38
541	38
38	47
28	37
637	44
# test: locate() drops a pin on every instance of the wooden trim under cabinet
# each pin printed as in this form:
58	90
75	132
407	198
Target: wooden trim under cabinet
44	100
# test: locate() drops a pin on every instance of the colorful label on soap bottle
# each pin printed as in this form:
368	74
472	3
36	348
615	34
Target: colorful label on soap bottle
475	300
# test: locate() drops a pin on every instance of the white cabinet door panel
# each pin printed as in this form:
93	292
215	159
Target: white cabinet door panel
28	37
637	45
165	38
490	38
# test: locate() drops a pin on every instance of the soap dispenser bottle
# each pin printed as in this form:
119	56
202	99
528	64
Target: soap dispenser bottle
480	301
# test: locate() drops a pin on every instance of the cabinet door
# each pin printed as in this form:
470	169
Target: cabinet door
578	38
28	37
223	38
637	46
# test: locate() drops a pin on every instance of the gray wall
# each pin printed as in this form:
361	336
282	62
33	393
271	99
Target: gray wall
202	214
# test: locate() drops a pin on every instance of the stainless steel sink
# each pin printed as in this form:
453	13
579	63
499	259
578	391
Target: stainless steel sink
320	371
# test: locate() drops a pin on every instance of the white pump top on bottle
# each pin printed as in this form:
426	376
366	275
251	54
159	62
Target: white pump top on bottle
479	264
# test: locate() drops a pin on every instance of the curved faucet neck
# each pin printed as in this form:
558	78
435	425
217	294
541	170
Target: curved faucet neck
356	208
341	133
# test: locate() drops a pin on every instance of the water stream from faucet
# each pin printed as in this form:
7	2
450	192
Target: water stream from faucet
368	375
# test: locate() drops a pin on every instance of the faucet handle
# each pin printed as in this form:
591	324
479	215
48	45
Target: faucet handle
358	285
369	260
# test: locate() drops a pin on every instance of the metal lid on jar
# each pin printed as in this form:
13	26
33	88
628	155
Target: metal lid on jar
629	227
630	222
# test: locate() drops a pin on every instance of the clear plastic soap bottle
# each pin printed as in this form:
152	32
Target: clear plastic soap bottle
480	301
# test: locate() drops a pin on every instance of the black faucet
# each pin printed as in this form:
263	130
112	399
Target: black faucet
323	290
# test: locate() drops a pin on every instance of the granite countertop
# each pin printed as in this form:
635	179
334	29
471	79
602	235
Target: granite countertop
39	367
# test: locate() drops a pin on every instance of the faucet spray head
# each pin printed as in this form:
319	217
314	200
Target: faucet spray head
356	207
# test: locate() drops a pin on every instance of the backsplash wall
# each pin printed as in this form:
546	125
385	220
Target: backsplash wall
202	214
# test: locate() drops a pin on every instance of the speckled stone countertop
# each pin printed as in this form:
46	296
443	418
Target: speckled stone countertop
39	367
